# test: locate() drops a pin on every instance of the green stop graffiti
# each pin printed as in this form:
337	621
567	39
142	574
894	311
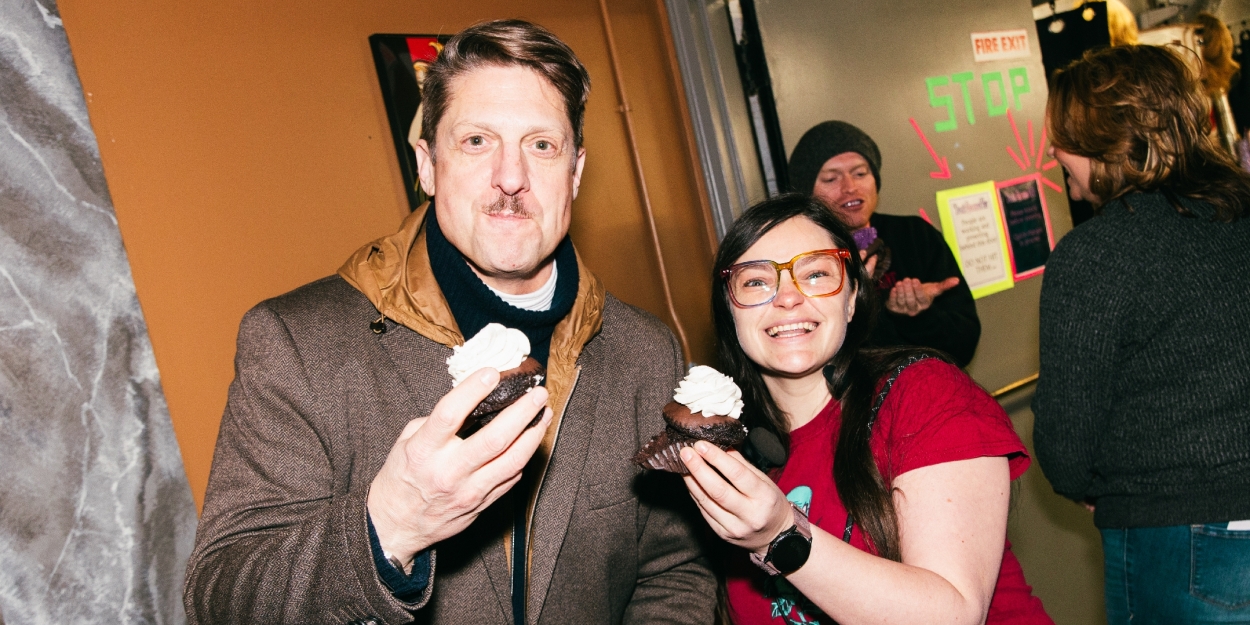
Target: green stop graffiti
993	85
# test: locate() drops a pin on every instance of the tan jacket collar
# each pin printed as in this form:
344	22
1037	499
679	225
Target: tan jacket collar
394	273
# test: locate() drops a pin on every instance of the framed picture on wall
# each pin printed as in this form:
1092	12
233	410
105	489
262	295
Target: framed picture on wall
401	61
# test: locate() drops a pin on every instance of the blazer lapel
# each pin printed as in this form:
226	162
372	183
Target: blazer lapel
493	555
560	486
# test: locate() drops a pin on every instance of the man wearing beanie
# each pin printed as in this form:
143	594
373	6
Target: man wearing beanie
924	298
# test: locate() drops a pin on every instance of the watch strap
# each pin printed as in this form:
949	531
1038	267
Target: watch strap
801	527
399	566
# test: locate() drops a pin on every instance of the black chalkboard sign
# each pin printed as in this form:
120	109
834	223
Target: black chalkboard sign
1028	225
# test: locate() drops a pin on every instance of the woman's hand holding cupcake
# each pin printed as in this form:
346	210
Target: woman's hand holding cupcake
740	503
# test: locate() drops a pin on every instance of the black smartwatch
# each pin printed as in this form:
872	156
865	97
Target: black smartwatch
790	549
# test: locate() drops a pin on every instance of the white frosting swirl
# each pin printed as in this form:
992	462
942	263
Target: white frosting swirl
710	392
494	346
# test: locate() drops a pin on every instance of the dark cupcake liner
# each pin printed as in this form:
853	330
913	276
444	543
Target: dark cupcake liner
663	453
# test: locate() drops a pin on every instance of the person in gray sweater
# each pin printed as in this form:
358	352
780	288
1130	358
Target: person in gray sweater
1143	405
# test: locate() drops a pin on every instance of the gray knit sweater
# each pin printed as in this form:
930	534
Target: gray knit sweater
1143	406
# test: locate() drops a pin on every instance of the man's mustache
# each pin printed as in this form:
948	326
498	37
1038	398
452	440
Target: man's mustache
508	204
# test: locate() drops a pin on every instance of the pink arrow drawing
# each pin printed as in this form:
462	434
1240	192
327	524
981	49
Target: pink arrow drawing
1052	185
1033	156
1023	159
944	170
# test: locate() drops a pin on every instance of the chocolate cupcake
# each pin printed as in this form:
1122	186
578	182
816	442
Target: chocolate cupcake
705	407
506	350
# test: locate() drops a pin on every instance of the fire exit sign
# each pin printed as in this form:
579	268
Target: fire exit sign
1001	44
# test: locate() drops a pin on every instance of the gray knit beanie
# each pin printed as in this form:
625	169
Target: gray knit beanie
825	141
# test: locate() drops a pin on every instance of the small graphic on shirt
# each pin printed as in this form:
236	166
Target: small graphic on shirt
801	497
788	603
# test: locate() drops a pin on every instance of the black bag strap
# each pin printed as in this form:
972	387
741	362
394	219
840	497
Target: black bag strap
872	420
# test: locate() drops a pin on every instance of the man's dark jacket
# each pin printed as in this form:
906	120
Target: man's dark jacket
918	251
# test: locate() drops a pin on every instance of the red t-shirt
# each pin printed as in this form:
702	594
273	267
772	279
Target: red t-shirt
933	414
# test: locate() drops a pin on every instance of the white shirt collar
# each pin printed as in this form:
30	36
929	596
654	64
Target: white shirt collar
538	300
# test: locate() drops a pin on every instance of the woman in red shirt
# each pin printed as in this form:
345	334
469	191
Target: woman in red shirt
925	473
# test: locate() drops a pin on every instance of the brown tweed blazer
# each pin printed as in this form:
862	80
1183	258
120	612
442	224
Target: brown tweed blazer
317	402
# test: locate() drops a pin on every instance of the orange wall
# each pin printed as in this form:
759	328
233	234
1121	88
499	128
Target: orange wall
247	151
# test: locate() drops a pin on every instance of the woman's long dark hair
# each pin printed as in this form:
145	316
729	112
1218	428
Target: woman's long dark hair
852	374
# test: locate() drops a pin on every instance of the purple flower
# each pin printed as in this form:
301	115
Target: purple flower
864	237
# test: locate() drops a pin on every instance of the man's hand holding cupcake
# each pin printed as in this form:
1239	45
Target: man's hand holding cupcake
506	350
435	483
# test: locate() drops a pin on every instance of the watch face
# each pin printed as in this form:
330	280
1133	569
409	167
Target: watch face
790	552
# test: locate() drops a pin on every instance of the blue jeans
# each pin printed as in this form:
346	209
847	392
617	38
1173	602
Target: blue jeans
1178	575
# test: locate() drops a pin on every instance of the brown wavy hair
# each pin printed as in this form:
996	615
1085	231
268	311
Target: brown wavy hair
1140	116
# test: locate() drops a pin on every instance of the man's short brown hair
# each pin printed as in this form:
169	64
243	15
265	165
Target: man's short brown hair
505	43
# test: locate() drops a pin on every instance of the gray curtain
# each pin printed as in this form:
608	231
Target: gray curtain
96	517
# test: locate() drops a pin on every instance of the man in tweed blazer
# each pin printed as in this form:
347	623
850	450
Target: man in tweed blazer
334	498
